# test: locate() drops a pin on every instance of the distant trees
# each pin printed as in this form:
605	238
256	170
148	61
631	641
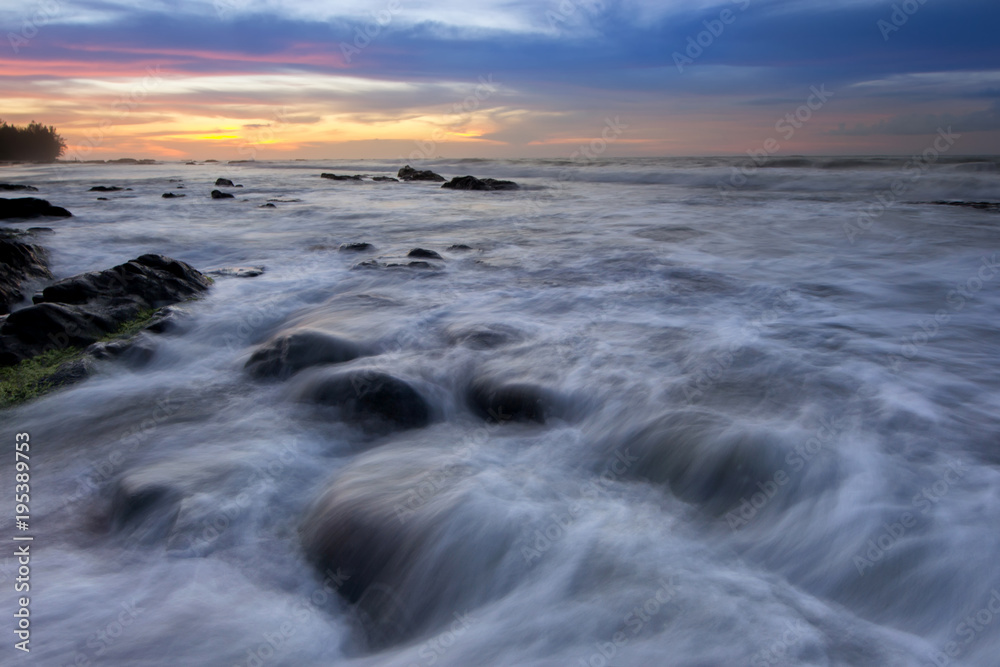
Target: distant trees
35	142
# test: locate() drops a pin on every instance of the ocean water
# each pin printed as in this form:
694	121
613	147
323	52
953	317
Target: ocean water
772	438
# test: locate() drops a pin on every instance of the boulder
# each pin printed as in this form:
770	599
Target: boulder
267	205
14	187
385	179
500	402
288	353
223	183
356	247
335	177
408	173
30	207
18	262
172	195
78	311
423	253
106	188
217	194
473	183
367	397
459	247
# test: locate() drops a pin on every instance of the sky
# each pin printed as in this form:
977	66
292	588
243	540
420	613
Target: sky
412	79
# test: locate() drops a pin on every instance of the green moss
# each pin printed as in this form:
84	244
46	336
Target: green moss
31	378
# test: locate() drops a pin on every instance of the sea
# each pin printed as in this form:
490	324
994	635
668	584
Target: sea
767	429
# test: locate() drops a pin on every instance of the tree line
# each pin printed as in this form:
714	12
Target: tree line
33	142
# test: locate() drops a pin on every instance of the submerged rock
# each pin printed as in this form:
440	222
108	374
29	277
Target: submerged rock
473	183
408	173
500	402
335	177
218	194
267	205
239	271
356	247
385	179
424	253
107	188
14	187
30	207
367	397
459	247
980	205
18	262
172	195
288	353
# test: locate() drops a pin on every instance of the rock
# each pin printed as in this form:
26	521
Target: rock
71	372
367	397
239	271
18	262
473	183
980	205
172	195
41	230
356	247
503	402
103	199
12	187
135	352
423	253
484	337
267	205
419	264
216	194
211	161
335	177
29	207
80	310
385	179
223	183
146	509
288	353
408	173
459	247
106	188
367	264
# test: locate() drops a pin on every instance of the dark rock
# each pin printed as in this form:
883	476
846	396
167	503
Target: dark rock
408	173
239	271
103	199
367	397
216	194
267	205
418	264
12	187
424	253
29	207
106	188
135	352
385	179
172	195
18	262
289	353
80	310
223	183
41	230
211	161
335	177
484	337
473	183
71	372
146	510
367	264
979	205
500	402
456	247
356	247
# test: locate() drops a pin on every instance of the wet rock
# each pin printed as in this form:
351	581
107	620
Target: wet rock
106	188
385	179
367	264
979	205
135	352
239	271
369	398
335	177
459	247
172	195
473	183
29	207
80	310
223	183
267	205
408	173
18	262
504	402
217	194
103	199
287	354
14	187
146	509
485	337
356	247
424	253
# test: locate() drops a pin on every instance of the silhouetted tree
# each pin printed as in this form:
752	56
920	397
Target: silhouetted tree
35	142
